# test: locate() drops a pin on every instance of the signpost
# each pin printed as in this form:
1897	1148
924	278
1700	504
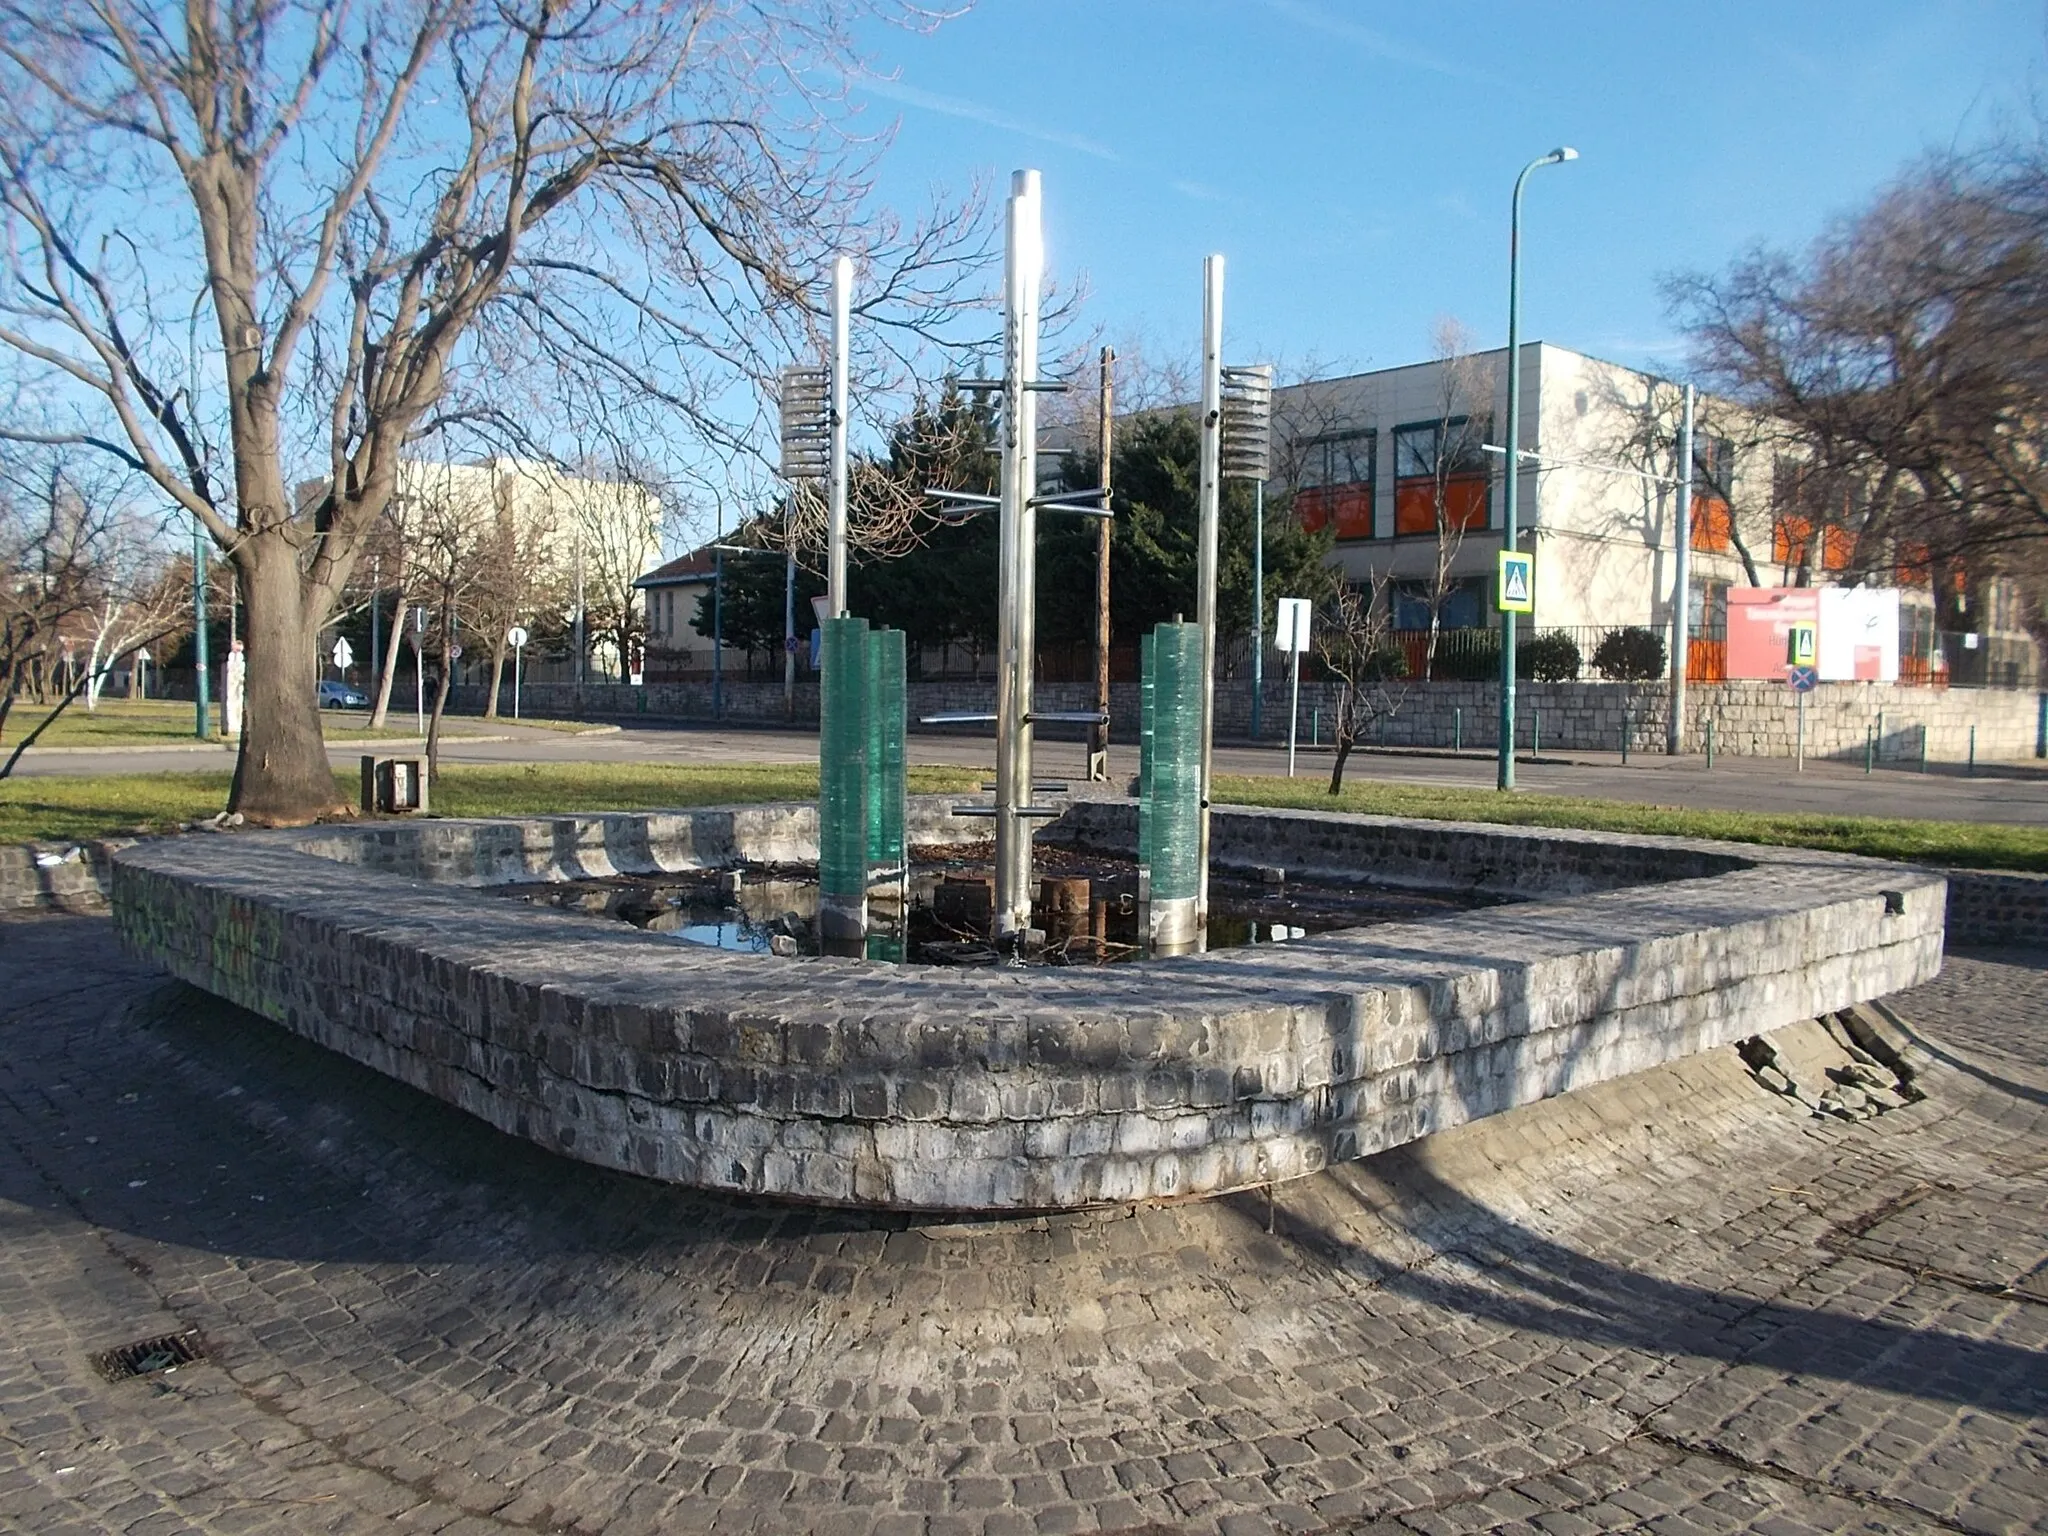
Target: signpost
1517	582
516	637
1291	631
344	654
1801	675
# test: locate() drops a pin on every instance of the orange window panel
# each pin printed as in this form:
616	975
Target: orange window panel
1415	504
1713	527
1791	537
1312	508
1353	511
1914	566
1465	502
1837	548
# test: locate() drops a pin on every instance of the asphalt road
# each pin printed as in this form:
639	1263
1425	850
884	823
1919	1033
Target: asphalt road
2014	793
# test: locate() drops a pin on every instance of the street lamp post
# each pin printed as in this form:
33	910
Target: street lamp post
1510	528
718	634
201	661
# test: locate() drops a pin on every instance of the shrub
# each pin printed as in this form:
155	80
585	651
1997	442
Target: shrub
1548	658
1631	655
1472	656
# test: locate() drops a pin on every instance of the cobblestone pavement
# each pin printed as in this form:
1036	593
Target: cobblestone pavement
1673	1303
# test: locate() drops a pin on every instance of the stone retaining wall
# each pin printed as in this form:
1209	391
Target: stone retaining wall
933	1089
1997	909
1750	719
60	877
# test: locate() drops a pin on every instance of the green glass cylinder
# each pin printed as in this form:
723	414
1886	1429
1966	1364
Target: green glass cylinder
842	759
1176	766
887	783
1146	651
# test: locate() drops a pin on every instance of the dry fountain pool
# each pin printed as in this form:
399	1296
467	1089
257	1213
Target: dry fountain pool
998	1088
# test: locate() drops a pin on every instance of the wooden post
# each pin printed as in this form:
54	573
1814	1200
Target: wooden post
1098	745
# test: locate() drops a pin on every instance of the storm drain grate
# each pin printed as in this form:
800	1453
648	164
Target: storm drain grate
148	1356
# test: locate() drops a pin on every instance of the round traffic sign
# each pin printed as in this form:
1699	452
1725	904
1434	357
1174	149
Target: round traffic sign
516	637
789	644
455	653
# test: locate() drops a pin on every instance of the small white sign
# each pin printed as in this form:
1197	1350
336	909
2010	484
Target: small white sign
1291	629
516	637
344	654
455	653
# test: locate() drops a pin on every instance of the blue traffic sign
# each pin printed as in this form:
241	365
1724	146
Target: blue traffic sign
1802	679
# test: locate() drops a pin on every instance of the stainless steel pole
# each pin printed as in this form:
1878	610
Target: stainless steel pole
1293	711
1681	583
835	524
1016	533
1258	604
1105	446
1209	502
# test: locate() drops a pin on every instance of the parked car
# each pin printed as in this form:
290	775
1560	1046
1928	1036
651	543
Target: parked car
335	695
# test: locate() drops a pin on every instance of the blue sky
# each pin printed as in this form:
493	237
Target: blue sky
1353	160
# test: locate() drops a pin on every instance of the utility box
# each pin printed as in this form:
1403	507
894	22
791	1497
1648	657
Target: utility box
394	786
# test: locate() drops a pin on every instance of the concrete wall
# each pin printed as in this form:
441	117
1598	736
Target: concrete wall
923	1088
1751	719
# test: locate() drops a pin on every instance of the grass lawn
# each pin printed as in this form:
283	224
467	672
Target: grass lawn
1965	844
61	809
97	806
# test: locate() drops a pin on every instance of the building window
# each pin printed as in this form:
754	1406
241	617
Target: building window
1713	519
1441	467
1463	605
1713	464
1337	479
1713	524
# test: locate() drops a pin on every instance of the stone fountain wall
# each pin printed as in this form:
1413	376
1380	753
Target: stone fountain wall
997	1089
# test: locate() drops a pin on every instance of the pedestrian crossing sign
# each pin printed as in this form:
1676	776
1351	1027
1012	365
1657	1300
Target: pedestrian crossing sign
1517	582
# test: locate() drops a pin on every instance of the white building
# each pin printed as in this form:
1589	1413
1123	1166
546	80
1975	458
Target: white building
1406	463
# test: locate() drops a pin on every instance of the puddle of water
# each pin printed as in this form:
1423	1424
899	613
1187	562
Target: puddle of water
940	916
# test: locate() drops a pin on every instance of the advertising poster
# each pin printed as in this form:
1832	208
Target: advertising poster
1760	621
1859	634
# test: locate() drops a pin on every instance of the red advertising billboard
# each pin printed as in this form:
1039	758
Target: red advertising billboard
1759	624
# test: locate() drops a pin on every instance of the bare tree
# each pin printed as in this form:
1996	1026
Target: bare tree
1354	640
48	536
513	581
76	557
139	593
1905	356
1731	511
451	539
1454	459
380	214
390	546
613	516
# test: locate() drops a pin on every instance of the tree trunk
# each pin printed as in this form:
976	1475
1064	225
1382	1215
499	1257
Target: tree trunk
497	679
1345	735
434	720
281	774
394	645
